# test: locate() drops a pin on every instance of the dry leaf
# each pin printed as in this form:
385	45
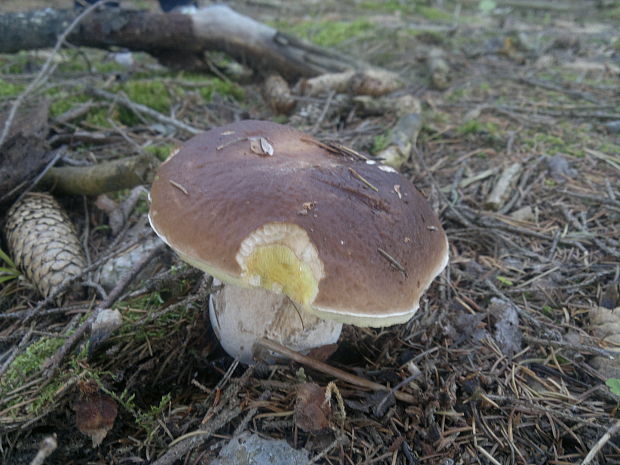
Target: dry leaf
507	332
322	353
95	413
261	146
312	409
605	324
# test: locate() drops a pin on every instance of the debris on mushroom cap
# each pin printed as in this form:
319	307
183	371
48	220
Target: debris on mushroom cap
314	221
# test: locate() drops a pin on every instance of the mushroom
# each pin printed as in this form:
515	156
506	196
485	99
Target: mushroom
304	235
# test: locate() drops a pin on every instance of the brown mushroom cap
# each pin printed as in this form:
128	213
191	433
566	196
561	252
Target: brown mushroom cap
348	239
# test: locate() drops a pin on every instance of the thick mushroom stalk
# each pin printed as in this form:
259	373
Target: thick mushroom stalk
274	316
298	231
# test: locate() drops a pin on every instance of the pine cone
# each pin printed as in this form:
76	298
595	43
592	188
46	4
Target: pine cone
43	242
277	93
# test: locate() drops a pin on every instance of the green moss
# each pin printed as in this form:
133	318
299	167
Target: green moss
613	13
428	37
475	127
146	418
329	33
161	152
610	148
388	6
432	14
29	362
480	130
63	102
412	8
457	94
74	64
152	93
20	63
8	89
28	365
547	310
379	143
162	327
211	86
568	143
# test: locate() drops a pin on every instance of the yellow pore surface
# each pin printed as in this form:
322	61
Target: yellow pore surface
279	270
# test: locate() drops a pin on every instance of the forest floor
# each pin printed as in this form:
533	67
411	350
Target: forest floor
510	359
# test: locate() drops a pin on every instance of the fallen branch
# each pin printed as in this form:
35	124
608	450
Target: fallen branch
176	39
103	177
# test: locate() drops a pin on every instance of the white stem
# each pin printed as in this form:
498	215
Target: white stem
241	316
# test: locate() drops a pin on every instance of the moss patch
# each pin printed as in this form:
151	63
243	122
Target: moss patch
408	8
8	89
134	312
152	93
211	86
23	369
161	152
329	33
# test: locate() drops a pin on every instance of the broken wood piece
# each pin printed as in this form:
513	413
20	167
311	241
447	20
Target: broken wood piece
370	81
25	153
102	177
439	68
400	106
402	138
123	262
477	177
277	94
504	185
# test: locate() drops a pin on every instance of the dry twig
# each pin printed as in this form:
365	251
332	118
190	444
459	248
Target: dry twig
330	370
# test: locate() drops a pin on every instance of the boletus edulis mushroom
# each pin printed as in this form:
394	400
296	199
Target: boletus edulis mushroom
304	235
